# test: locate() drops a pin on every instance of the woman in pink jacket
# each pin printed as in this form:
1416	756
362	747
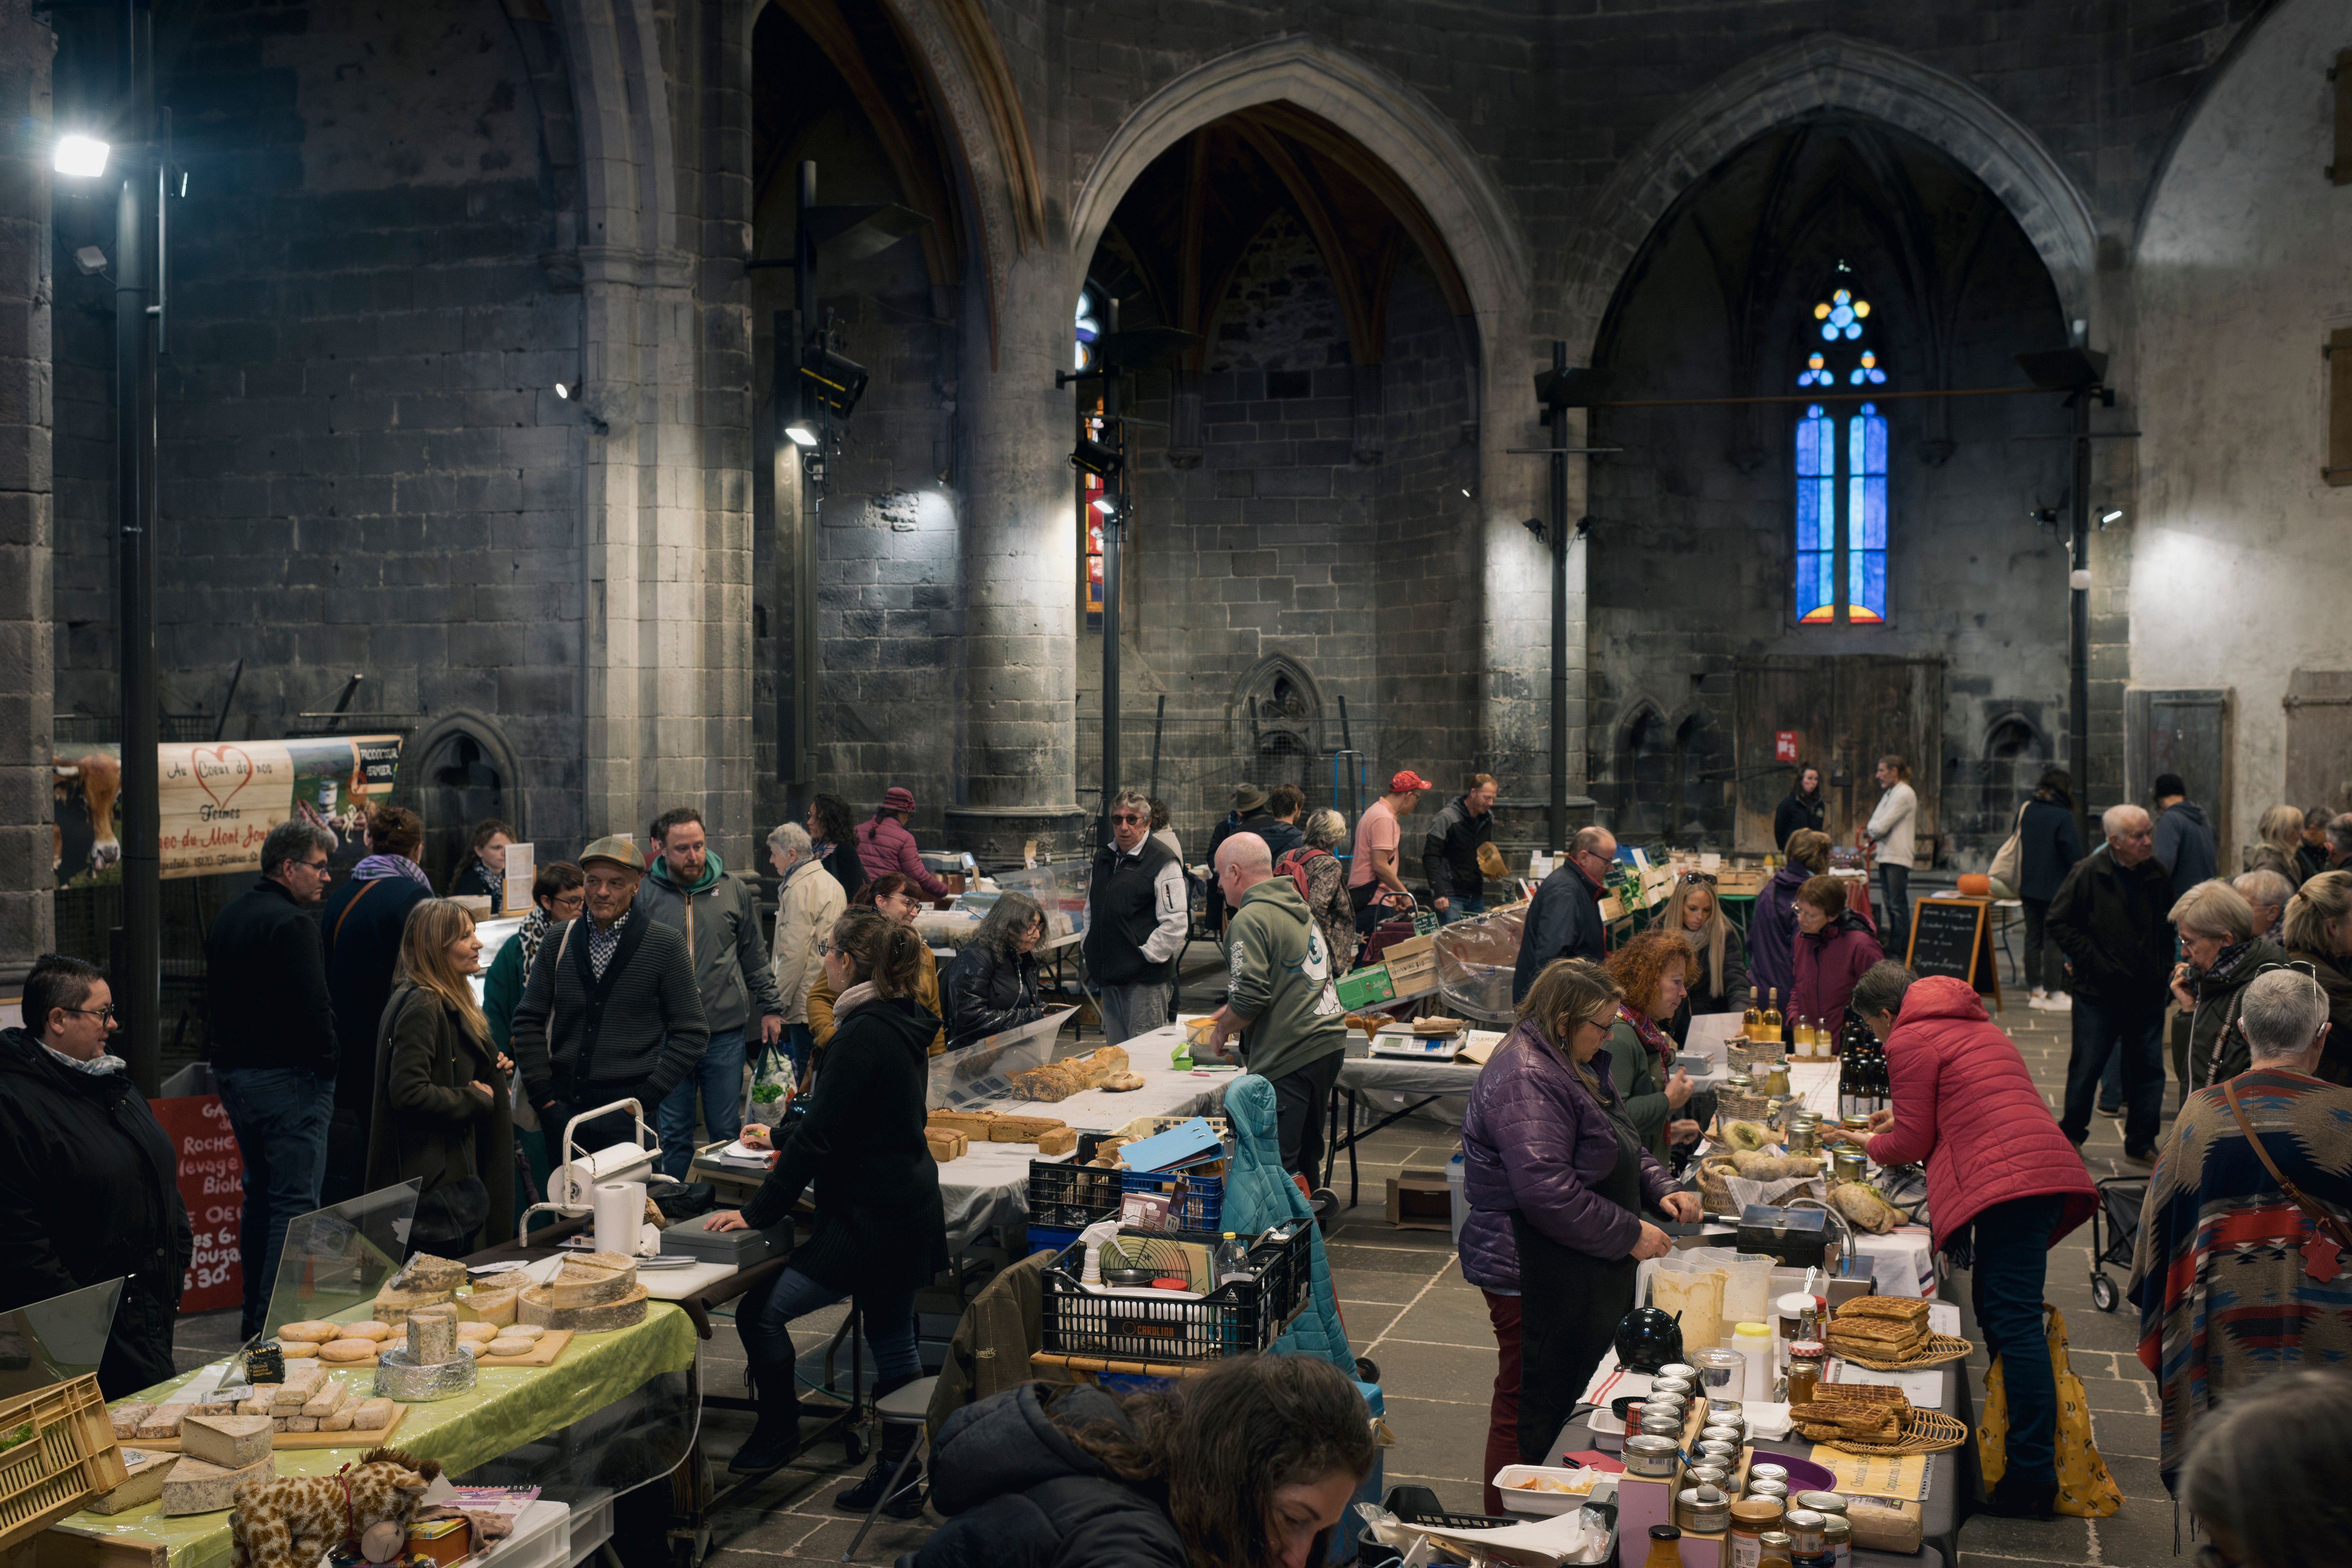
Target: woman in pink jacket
1834	947
2003	1185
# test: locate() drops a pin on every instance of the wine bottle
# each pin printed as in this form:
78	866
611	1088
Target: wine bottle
1772	1014
1751	1022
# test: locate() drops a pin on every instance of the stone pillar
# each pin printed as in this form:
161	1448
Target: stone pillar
27	917
1017	756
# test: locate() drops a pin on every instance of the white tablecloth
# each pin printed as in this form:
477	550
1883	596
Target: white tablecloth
987	1185
1399	1075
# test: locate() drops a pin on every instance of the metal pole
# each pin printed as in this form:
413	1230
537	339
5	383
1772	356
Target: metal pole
1114	526
2078	608
1159	728
139	983
1559	827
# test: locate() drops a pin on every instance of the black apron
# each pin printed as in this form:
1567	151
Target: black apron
1570	1304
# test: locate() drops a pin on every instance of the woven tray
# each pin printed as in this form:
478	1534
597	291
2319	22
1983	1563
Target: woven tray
1939	1349
1930	1432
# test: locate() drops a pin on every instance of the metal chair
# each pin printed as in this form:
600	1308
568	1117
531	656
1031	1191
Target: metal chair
908	1407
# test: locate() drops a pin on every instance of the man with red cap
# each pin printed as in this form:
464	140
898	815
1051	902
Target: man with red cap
1373	884
884	845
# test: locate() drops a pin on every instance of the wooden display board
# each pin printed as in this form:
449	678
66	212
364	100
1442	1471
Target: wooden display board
1953	937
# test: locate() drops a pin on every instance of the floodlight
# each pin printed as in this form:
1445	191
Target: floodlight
801	432
562	391
839	382
91	260
1107	503
1094	457
81	156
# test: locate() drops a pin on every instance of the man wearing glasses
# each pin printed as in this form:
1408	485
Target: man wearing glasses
1137	915
1564	920
272	1026
88	1182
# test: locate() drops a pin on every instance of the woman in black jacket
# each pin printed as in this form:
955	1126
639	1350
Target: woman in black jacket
832	833
1250	1464
1802	807
881	1232
2047	848
484	873
992	983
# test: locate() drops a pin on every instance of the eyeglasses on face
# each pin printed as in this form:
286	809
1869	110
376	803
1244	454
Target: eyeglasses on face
105	1012
1701	879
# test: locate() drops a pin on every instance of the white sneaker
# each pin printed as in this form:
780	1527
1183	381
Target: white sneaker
2040	1002
2061	1002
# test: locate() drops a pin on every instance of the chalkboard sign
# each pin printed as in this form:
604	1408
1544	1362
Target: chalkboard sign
1953	937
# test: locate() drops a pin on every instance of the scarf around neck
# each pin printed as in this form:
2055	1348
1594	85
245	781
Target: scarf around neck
1649	1034
376	865
849	1001
535	927
2226	962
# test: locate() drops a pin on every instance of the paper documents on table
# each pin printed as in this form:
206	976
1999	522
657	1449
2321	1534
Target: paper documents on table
1545	1544
1903	1477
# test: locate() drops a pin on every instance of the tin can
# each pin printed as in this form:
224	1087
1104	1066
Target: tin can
1654	1458
1702	1509
1716	1476
1667	1427
1730	1434
1722	1455
1777	1490
1820	1502
1767	1472
1676	1369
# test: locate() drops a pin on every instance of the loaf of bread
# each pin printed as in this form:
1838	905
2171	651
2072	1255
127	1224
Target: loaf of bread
1060	1140
1021	1128
971	1123
1058	1080
946	1144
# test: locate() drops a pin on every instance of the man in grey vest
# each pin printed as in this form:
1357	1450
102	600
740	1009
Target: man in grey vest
1137	919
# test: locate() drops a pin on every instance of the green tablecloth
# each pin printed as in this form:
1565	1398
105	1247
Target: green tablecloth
508	1406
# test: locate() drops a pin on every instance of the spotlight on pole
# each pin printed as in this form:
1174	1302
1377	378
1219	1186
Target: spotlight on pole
801	432
1108	503
835	382
83	157
1092	457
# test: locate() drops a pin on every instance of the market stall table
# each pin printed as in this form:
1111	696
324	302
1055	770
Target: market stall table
1430	1081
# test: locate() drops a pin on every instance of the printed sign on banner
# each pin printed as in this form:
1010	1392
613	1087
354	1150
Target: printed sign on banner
212	1183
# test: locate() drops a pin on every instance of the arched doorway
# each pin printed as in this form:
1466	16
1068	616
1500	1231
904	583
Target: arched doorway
464	771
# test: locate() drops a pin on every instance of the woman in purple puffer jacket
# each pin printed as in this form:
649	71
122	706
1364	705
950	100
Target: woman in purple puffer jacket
1557	1179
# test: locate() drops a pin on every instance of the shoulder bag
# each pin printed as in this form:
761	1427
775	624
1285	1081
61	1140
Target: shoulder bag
2008	862
2322	1252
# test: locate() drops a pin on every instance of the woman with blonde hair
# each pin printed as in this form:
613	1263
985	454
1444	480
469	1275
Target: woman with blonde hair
2281	846
1557	1179
2320	933
441	1112
1718	972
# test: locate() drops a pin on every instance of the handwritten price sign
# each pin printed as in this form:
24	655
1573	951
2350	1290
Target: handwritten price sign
212	1183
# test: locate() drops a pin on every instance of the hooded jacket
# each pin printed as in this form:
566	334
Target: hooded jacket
1534	1140
1772	934
1261	1194
720	918
2047	847
1018	1493
89	1192
2185	847
1965	1103
1281	981
885	845
879	1221
1828	963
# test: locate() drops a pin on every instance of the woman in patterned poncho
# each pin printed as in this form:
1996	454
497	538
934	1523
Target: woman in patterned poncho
2233	1280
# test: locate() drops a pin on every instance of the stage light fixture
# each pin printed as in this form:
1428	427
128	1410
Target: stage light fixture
83	157
838	382
801	432
1094	457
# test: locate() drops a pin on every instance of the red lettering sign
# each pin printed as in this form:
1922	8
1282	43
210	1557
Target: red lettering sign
212	1183
1784	745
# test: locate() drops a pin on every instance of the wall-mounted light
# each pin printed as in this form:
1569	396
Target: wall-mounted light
1108	503
802	433
2107	518
1470	490
83	157
1094	457
562	391
2079	580
90	260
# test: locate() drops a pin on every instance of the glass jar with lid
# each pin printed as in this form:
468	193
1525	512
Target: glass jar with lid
1837	1540
1805	1360
1750	1518
1665	1548
1805	1530
1774	1550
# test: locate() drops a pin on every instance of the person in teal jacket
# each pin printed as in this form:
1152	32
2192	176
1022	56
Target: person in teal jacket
559	893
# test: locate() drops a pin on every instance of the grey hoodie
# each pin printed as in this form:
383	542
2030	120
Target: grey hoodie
1282	981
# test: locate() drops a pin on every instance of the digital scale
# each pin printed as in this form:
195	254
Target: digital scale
1406	1046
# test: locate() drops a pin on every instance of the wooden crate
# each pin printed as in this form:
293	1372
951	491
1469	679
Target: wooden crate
71	1456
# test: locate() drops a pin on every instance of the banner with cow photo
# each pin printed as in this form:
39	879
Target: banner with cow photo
218	800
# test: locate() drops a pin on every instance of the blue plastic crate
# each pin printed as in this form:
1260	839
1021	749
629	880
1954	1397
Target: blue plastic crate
1197	1202
1054	1237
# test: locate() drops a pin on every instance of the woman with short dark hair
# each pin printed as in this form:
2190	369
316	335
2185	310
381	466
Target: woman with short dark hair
833	834
1803	808
1250	1464
1835	947
991	985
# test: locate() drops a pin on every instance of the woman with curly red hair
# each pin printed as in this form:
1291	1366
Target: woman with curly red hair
1653	972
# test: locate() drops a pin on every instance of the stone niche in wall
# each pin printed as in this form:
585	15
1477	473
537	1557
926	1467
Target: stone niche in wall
1277	723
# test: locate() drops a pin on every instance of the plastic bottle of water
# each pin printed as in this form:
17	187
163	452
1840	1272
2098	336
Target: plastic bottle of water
1233	1261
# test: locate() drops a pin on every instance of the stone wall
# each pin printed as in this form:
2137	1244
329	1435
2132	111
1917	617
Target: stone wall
26	918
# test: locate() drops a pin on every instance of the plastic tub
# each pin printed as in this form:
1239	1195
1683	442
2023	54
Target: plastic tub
1602	1486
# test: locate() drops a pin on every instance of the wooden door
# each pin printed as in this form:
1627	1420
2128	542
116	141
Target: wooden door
2319	738
2184	731
1847	711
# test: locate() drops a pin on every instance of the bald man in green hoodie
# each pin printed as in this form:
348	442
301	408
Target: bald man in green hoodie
1281	999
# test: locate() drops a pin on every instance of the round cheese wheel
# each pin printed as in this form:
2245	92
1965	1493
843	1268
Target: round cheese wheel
347	1350
471	1347
298	1349
508	1347
521	1331
312	1332
478	1330
369	1330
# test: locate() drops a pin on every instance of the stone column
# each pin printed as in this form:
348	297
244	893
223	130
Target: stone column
27	919
1017	756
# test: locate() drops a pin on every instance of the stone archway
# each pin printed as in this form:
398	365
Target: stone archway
1830	72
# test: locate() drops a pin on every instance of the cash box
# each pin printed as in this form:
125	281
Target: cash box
740	1248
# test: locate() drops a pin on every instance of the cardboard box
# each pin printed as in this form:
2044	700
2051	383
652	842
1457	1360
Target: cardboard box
1412	964
1420	1200
1366	988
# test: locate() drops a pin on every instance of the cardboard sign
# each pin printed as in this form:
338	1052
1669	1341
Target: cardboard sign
520	874
1784	745
212	1183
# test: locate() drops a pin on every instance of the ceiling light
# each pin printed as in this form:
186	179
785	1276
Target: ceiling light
562	391
82	156
801	432
90	260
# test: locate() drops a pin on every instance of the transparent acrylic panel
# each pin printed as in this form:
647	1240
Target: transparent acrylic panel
639	1438
64	1337
337	1259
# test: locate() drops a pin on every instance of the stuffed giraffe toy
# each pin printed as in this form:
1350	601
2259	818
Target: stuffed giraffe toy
294	1520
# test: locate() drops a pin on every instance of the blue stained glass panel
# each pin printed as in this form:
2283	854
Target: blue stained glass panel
1816	564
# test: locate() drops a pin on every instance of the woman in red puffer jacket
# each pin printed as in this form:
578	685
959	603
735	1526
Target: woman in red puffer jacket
2003	1185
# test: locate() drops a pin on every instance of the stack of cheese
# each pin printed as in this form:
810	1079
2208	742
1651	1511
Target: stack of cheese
217	1455
1880	1328
1103	1069
592	1293
425	1281
1051	1136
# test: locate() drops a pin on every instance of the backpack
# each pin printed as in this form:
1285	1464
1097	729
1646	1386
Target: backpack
1292	864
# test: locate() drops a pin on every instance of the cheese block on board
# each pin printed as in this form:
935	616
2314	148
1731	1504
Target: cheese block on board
493	1307
300	1424
588	1281
329	1399
537	1308
426	1272
301	1386
371	1416
143	1483
508	1280
340	1421
164	1422
232	1442
259	1405
127	1417
392	1306
432	1335
195	1487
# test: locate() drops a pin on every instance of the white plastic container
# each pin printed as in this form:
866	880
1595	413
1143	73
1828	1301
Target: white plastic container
542	1539
1755	1343
1509	1479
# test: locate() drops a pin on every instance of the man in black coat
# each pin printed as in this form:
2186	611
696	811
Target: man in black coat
272	1028
90	1186
1249	816
1564	919
1449	853
1138	918
2110	918
362	922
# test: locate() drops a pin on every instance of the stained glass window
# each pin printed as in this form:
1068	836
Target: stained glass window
1087	330
1842	494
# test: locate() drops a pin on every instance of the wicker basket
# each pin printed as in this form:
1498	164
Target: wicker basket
70	1457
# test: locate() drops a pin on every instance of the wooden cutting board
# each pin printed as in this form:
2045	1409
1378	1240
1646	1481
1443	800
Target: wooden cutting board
549	1346
354	1439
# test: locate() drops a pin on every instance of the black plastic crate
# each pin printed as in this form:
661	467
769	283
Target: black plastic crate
1231	1321
1071	1197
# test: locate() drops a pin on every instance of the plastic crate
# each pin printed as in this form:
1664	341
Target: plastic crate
69	1454
1052	1238
1196	1202
1070	1196
1231	1321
